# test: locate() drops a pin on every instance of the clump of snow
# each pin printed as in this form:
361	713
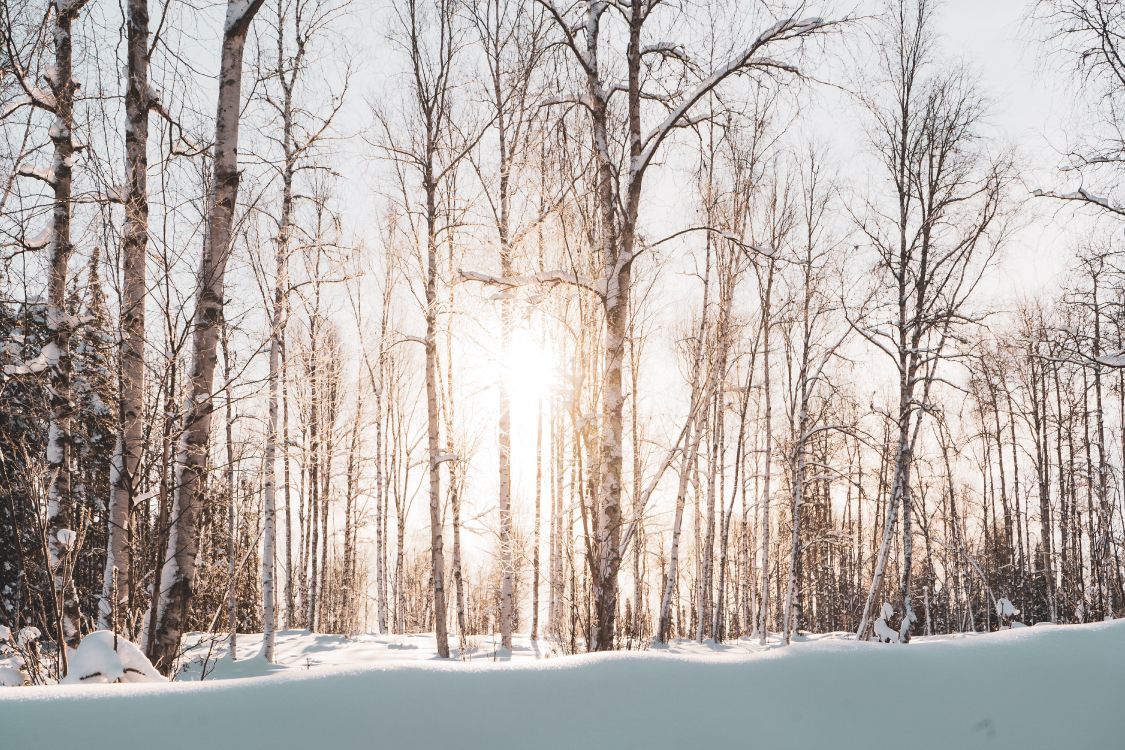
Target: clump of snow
66	538
41	240
103	657
12	677
47	357
1005	609
28	635
43	174
884	633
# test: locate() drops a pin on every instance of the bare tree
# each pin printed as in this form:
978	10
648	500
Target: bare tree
58	100
124	472
512	39
300	134
619	189
812	341
430	37
174	590
932	245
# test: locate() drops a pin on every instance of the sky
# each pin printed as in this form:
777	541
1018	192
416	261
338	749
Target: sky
1032	110
1031	113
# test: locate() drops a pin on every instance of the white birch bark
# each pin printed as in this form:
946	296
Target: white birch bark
61	511
134	246
174	591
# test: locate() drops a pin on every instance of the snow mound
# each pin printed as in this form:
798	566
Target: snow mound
1040	687
11	677
104	657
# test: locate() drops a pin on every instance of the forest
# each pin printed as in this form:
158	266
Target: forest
573	325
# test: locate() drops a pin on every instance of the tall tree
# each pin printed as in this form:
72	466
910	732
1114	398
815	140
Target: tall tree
134	249
173	591
942	227
619	189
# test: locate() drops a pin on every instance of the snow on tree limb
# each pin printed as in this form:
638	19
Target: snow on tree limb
1111	360
240	13
1081	195
557	99
9	108
541	278
115	194
43	174
41	240
47	357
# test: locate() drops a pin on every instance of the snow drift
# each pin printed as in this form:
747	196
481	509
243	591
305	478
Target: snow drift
1037	687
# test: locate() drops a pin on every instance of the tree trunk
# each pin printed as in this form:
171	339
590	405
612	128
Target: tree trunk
62	513
177	579
433	424
134	245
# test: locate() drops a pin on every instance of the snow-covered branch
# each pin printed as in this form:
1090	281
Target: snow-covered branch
43	174
1081	195
47	357
541	278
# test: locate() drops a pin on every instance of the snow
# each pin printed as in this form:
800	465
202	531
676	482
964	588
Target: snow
48	357
43	98
115	194
66	538
1005	608
236	10
102	657
41	240
12	105
11	677
44	174
884	633
58	129
1036	687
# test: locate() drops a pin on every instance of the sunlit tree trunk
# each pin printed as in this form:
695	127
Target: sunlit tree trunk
134	245
174	591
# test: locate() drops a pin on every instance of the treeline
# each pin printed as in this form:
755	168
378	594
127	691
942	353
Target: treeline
240	394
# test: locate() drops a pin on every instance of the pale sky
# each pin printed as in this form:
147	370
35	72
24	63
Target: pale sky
1031	111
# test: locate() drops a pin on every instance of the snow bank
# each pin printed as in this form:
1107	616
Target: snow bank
1034	687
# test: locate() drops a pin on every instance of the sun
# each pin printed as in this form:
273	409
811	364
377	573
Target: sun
530	370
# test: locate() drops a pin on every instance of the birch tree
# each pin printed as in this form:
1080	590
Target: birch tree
124	472
512	39
811	342
58	100
943	224
429	36
298	26
582	31
174	590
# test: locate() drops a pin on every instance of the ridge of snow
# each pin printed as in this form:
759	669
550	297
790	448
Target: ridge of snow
1037	687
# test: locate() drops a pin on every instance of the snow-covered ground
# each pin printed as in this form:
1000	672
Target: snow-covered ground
1039	687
